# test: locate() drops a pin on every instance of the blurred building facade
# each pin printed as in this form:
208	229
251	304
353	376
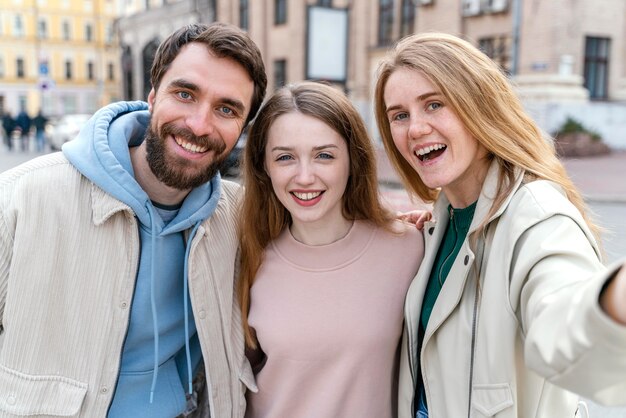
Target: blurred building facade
567	57
61	56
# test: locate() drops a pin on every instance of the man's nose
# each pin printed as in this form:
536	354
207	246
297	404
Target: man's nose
201	123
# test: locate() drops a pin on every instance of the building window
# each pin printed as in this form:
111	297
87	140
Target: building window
325	3
127	72
42	29
280	12
109	34
111	71
244	14
497	48
597	54
68	70
19	68
407	18
18	26
65	28
90	74
147	56
88	32
385	21
280	73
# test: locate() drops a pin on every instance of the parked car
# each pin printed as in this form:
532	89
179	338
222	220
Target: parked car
64	129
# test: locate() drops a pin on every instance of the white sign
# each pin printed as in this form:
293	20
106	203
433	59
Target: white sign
327	44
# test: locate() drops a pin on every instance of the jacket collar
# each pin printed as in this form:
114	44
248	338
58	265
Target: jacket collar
490	191
487	196
104	205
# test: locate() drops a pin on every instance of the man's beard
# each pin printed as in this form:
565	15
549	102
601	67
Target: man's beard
175	171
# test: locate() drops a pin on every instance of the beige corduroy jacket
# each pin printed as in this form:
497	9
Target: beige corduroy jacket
69	255
531	332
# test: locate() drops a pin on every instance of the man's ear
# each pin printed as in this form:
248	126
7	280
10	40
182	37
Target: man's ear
151	97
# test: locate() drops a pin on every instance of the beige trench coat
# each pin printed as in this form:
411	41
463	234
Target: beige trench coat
535	329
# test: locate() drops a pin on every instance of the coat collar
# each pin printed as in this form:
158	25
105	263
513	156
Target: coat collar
487	196
103	205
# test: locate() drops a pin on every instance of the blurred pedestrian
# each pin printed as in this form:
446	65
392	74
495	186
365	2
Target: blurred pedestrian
512	313
23	122
39	122
8	125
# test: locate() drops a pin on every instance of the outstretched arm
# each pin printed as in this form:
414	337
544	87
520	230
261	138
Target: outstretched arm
613	297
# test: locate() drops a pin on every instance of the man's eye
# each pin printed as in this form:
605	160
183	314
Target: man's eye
184	95
226	110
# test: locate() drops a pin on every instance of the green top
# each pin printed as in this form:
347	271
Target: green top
460	221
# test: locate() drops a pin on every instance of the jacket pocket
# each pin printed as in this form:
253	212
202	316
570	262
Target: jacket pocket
25	394
489	400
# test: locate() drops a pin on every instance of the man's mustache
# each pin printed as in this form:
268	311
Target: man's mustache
203	141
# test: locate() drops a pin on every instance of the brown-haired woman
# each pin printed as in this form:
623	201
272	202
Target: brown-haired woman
325	266
512	309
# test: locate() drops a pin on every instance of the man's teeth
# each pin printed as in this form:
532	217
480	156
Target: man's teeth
191	147
307	196
423	151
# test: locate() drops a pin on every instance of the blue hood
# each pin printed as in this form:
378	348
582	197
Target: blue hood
100	153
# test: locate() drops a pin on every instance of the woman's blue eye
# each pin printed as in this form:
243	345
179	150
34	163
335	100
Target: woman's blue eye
434	106
283	158
401	116
325	156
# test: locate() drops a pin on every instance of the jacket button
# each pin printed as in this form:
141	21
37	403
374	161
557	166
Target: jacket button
431	230
104	389
11	400
466	260
124	305
202	314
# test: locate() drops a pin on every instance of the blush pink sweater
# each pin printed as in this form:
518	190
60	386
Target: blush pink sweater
329	319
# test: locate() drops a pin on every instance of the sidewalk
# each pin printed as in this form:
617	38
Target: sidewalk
600	179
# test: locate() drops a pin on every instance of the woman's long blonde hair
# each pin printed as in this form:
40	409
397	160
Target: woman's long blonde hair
485	102
263	217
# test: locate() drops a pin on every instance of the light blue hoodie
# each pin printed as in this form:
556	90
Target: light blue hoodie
161	351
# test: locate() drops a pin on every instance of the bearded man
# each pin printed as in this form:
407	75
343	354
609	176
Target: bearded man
117	256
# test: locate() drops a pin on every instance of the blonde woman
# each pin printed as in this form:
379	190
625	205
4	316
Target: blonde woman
512	311
325	267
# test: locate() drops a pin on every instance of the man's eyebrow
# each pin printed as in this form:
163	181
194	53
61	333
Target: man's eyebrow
188	85
184	84
234	103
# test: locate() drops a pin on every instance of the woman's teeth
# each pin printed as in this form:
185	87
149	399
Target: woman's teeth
306	196
423	153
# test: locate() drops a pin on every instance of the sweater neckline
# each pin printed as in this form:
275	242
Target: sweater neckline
325	257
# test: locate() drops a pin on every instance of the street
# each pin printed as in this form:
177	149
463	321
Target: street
609	209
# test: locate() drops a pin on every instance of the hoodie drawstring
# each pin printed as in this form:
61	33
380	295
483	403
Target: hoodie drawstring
155	321
186	306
